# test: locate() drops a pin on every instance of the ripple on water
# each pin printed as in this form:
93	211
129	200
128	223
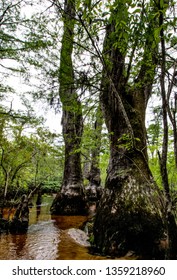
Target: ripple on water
46	239
40	242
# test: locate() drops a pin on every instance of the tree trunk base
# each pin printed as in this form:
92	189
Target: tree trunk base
4	225
130	219
70	202
17	227
20	221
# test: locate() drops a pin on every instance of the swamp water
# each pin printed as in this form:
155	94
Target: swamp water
47	238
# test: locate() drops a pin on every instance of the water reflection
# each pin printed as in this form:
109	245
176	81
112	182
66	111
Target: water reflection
41	240
46	239
38	211
17	244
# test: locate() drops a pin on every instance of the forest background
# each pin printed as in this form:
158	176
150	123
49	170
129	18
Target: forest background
31	35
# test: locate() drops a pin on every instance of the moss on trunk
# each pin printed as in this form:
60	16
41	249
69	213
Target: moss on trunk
130	215
130	218
70	200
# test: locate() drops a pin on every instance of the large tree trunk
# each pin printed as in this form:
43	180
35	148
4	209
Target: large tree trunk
70	200
130	215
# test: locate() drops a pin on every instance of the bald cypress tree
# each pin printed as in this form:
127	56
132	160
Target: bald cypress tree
131	212
70	199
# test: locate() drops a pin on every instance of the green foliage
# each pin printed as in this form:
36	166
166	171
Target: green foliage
89	143
155	138
126	142
37	42
27	161
104	160
52	186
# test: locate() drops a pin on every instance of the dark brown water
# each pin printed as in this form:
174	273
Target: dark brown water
46	239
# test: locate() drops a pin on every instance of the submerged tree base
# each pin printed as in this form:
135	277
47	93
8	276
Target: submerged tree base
130	218
20	220
16	226
69	202
4	225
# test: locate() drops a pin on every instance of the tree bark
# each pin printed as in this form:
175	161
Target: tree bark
70	200
20	221
130	215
